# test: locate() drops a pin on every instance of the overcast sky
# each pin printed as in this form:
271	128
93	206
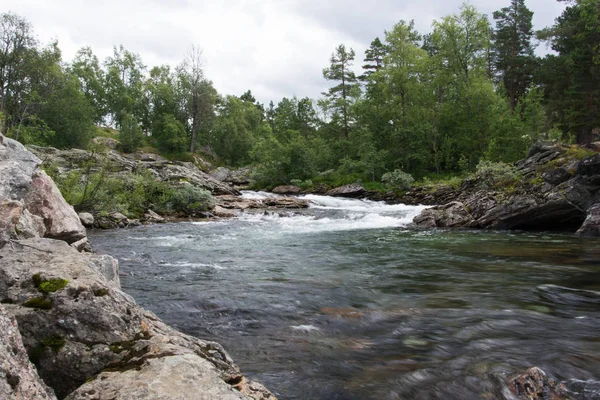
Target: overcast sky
276	48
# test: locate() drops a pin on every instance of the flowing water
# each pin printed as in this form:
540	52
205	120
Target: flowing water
341	301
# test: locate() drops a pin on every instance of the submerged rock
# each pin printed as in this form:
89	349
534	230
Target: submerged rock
534	384
18	378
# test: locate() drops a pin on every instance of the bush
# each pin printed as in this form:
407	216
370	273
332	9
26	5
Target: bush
497	173
398	179
131	135
190	199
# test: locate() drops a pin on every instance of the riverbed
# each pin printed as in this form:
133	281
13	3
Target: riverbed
343	301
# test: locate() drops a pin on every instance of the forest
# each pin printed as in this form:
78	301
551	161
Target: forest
425	105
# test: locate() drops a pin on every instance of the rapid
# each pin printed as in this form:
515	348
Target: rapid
343	301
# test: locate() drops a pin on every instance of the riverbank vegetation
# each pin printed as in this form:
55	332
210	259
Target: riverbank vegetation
424	105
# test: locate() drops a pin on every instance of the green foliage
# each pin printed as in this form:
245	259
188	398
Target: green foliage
170	134
497	174
56	343
189	199
397	179
131	135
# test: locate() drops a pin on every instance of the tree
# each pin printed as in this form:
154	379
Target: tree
192	76
91	76
572	78
342	95
124	85
513	51
131	135
169	133
373	61
16	44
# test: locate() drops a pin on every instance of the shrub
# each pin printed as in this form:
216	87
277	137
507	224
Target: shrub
131	135
190	199
497	173
397	179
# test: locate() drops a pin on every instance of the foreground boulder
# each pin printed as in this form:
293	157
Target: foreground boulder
18	378
89	340
30	203
556	188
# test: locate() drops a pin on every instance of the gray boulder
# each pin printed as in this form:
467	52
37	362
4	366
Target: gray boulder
18	378
86	219
351	190
30	203
591	225
451	215
77	324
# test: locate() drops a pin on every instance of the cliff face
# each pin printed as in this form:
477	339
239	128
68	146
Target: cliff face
555	188
87	338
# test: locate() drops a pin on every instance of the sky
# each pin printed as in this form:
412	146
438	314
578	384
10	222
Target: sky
276	48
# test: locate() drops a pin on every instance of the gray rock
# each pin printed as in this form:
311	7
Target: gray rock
561	200
18	378
45	200
351	190
591	225
152	218
17	166
90	327
287	189
86	219
451	215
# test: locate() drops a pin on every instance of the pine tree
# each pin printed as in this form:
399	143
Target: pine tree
373	58
341	96
513	51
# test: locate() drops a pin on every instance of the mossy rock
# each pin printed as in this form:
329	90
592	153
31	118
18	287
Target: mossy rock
39	302
48	285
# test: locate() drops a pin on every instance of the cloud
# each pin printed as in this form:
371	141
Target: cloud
276	48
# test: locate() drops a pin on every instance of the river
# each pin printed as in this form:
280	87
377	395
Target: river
342	301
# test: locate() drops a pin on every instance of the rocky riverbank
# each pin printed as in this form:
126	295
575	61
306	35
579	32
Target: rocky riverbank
556	188
64	310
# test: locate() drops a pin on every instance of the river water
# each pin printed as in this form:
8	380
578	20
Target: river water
342	301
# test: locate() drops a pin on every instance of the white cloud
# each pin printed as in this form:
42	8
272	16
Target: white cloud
275	48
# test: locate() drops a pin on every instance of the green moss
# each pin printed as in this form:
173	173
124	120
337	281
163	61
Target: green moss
101	292
48	285
52	285
39	302
55	342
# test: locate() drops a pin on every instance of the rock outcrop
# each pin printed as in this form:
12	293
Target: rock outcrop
18	377
239	178
161	168
30	203
556	188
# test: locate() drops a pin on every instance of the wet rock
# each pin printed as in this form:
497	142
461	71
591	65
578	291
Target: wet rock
451	215
77	324
114	220
351	190
221	212
150	217
86	219
285	202
18	378
287	189
534	384
591	225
